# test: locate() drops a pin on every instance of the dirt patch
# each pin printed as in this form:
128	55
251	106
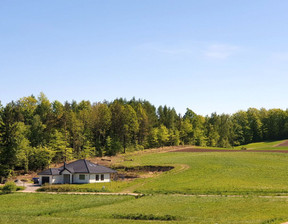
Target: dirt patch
285	144
227	150
145	168
140	171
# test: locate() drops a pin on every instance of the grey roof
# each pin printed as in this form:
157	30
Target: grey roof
70	169
78	166
51	171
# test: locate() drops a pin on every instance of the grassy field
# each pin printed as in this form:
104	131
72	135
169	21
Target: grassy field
35	208
233	183
217	173
263	146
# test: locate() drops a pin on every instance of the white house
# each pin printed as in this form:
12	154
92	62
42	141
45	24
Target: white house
78	172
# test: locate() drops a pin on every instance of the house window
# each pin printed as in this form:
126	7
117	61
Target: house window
81	177
97	177
102	176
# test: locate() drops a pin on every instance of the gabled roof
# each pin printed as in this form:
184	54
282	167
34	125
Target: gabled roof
78	166
70	170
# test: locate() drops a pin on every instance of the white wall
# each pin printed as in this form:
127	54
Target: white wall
40	179
57	179
93	178
89	178
66	172
76	179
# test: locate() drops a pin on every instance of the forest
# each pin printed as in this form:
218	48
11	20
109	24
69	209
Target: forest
35	132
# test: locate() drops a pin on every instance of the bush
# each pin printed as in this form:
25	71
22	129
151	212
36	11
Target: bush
69	188
9	187
56	188
20	188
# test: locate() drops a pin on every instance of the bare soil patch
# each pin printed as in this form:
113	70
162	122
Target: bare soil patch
285	143
226	150
140	171
145	168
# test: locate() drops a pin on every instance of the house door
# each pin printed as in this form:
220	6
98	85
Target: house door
45	180
66	178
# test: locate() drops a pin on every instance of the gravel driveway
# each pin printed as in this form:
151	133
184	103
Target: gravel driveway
29	187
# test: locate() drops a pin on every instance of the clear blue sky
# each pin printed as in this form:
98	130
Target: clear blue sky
206	55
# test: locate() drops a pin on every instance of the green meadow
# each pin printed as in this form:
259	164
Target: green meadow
217	173
57	208
203	187
263	146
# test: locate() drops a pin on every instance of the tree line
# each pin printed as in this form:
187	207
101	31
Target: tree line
35	132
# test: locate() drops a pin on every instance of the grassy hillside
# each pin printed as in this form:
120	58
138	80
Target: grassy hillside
217	173
263	146
233	183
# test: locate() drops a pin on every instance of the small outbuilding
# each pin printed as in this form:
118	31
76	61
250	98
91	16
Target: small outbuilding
78	172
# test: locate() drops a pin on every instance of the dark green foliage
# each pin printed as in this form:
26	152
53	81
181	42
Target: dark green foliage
37	129
9	187
5	171
40	158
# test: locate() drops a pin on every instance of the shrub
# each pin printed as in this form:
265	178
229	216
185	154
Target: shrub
56	188
9	187
69	188
20	188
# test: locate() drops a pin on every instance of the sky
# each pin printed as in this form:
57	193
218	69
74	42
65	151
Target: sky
210	56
